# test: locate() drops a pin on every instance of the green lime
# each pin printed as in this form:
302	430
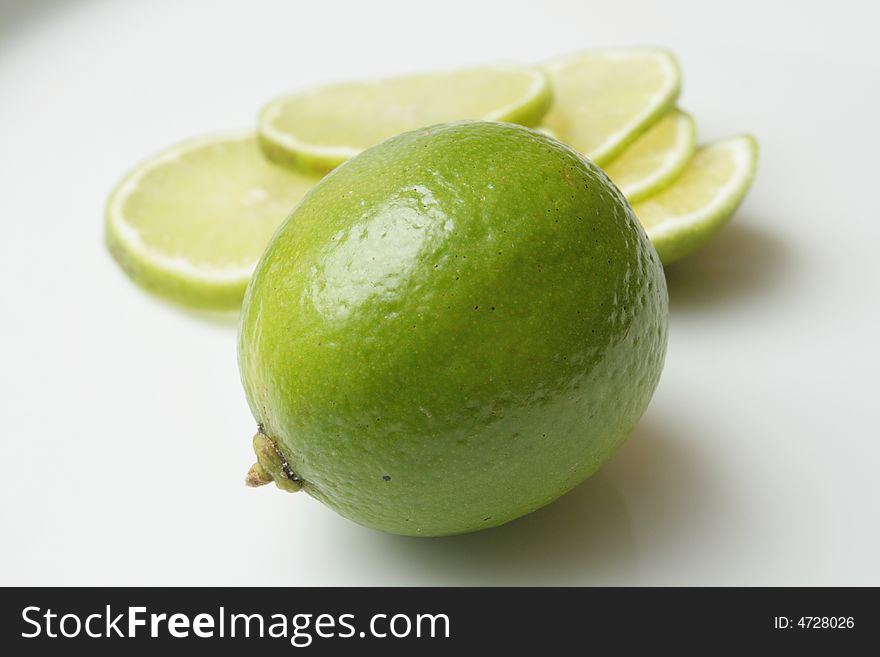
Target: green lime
189	224
319	129
682	217
604	99
452	330
656	158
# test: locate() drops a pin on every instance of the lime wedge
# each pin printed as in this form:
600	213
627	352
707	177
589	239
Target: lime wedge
682	217
191	223
604	99
321	128
655	158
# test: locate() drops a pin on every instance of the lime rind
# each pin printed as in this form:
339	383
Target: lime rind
677	228
650	163
659	103
288	148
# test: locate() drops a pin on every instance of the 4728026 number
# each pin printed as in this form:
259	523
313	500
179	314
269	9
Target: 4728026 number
814	623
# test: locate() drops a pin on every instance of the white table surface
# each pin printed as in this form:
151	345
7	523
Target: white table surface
125	432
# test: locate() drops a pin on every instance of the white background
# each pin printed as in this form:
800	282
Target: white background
125	433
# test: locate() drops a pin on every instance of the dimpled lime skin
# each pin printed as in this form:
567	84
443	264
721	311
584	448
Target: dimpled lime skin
453	329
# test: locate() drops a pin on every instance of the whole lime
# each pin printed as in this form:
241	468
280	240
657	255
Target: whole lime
452	329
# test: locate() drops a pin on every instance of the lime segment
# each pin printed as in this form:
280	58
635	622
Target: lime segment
656	158
191	223
682	217
321	128
604	99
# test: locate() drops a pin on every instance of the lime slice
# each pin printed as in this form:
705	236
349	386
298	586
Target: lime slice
656	158
604	99
321	128
191	223
682	217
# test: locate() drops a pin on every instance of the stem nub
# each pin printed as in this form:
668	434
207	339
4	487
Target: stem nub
271	465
